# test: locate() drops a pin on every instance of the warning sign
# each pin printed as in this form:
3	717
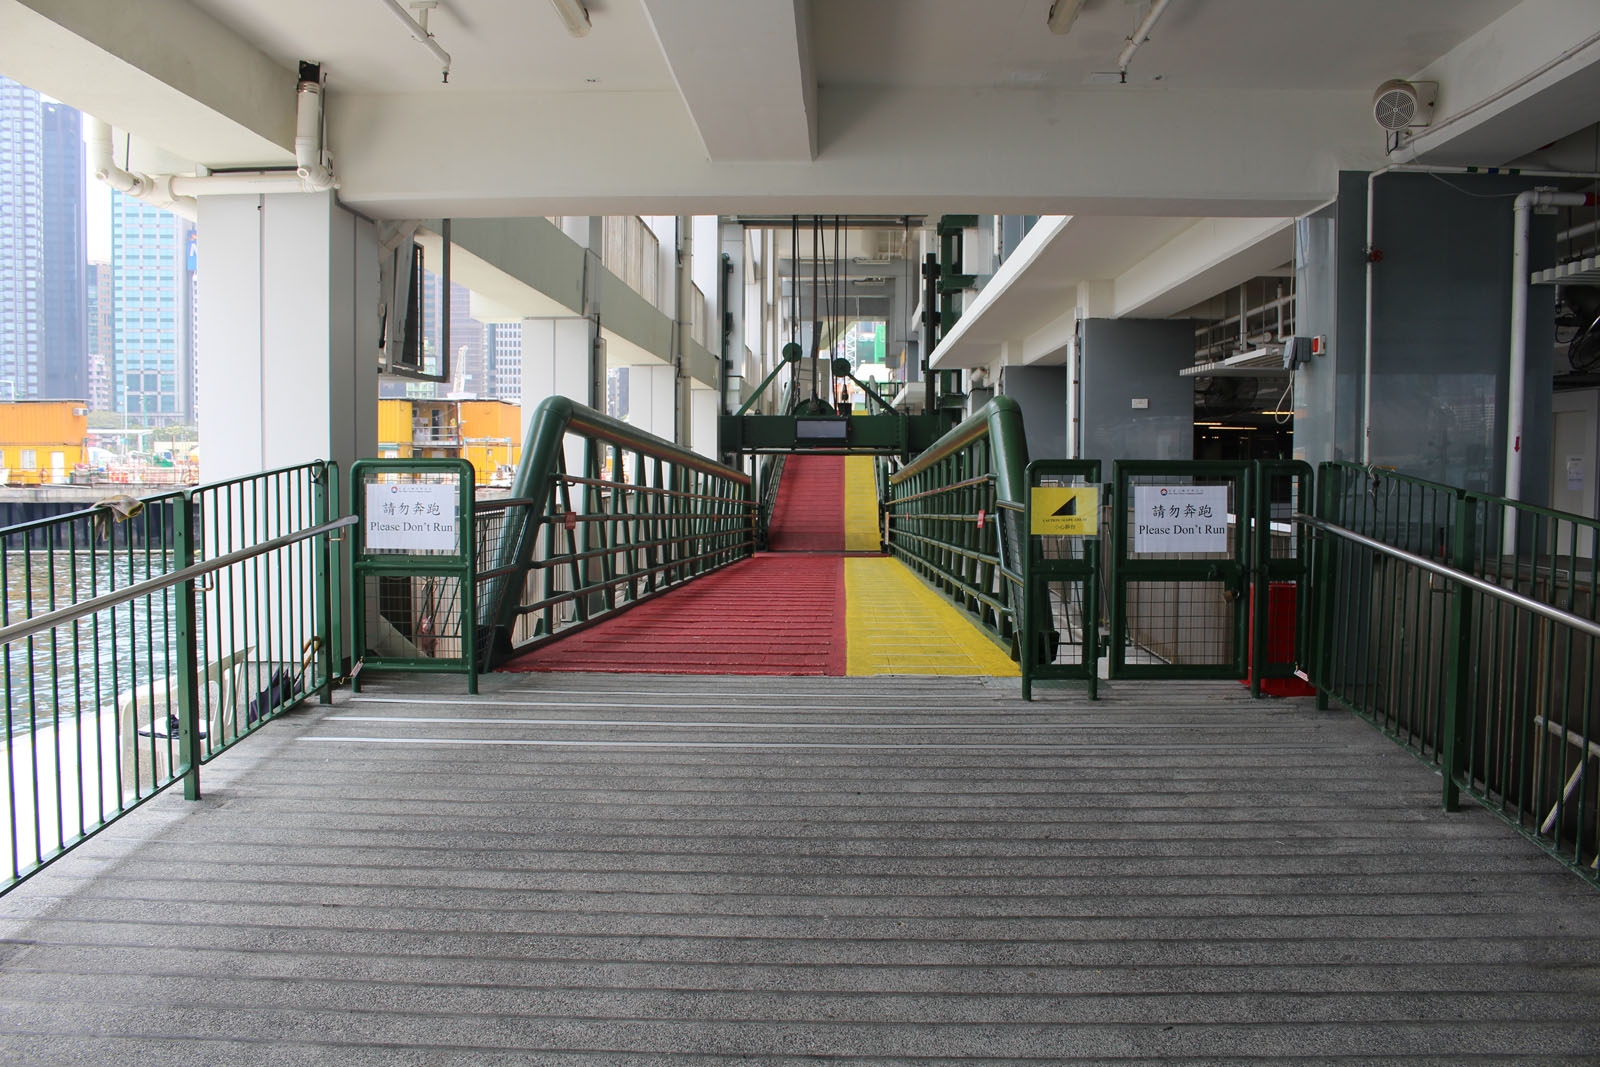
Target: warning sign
1068	512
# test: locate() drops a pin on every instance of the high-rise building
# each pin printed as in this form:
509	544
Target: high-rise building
502	342
97	293
21	239
63	336
152	374
469	365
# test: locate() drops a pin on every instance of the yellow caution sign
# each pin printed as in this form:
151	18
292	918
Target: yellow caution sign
1066	512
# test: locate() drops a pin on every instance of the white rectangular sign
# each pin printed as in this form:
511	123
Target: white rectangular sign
414	517
1180	518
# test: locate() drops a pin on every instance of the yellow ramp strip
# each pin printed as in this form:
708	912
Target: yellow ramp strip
897	625
860	504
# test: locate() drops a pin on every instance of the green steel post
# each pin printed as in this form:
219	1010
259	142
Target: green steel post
466	524
1325	568
1091	608
1026	638
1260	550
1458	646
188	649
323	585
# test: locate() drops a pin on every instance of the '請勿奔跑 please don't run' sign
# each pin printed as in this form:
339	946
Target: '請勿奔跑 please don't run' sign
417	517
1180	518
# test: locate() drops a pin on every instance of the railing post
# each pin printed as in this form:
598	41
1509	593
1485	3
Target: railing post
1027	618
1324	568
326	588
1260	549
1458	646
189	739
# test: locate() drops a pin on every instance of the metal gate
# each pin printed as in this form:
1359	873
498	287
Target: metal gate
1179	564
1056	537
1281	610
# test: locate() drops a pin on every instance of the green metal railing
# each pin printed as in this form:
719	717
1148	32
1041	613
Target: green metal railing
603	517
1058	586
1464	626
142	638
947	519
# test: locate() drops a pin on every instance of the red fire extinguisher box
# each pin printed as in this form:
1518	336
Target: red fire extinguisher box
1281	602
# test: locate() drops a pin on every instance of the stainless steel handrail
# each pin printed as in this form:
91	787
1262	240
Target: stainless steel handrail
1577	622
40	623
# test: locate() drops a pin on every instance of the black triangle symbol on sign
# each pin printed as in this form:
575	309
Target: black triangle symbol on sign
1069	508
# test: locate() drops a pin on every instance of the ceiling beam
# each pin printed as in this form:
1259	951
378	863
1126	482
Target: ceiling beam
744	71
163	70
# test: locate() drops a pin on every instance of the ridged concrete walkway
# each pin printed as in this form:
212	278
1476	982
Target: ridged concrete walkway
629	870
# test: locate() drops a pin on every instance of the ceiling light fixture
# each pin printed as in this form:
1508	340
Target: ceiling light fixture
574	14
1062	14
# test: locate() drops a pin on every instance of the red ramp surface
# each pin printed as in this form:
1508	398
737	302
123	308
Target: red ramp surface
765	615
808	515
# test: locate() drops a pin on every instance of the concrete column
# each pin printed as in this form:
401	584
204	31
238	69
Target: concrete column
652	405
555	362
733	343
1134	404
288	333
704	407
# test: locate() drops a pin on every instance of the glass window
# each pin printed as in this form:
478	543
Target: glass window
29	460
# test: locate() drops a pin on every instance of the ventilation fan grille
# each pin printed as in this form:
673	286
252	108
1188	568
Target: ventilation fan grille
1395	108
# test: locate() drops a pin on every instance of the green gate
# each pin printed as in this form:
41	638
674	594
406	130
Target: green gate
411	575
1059	523
1179	565
1280	552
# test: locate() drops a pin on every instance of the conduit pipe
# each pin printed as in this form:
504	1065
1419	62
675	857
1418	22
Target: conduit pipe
1526	203
308	164
420	34
1140	35
178	192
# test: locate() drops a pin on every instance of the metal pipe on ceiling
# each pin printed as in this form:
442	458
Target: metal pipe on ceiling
419	32
1141	35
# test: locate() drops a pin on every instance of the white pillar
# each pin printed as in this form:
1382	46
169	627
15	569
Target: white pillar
652	403
704	406
555	362
288	310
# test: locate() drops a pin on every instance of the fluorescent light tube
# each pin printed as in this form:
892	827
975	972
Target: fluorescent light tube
575	15
1062	14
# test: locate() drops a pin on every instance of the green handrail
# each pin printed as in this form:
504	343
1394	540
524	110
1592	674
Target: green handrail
541	480
954	513
1001	419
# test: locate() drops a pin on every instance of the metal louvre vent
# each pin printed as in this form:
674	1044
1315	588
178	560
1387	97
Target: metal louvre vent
1395	105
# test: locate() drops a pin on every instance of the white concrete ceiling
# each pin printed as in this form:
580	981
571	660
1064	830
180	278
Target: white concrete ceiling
1237	112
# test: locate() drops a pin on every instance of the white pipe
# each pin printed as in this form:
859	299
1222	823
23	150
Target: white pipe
237	183
420	34
153	189
1516	387
1141	35
308	139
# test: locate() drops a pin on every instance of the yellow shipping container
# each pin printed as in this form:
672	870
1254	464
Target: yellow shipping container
491	436
394	429
41	441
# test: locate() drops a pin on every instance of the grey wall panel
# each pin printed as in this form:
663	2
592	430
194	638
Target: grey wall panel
1441	320
1041	393
1124	359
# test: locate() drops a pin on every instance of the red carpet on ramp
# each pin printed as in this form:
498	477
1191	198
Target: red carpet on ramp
765	615
808	515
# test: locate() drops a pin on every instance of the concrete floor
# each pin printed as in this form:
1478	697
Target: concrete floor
632	870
